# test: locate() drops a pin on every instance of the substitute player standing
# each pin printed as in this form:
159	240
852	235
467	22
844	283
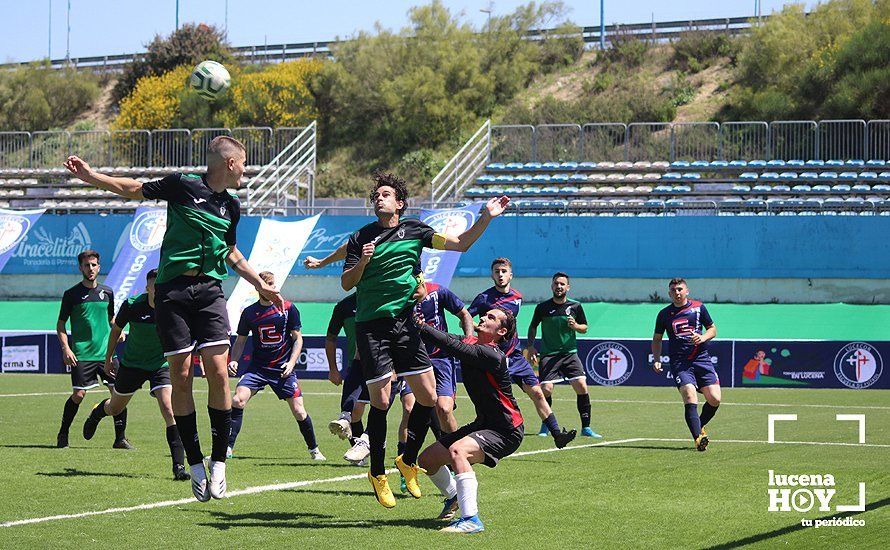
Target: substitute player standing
690	328
191	309
503	295
497	430
277	343
560	319
142	361
90	307
380	262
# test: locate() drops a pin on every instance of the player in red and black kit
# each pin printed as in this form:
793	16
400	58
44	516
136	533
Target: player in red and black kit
690	328
498	428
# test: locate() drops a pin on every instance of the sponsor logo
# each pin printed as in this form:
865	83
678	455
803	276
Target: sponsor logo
858	365
451	222
199	201
148	230
12	230
609	364
102	295
316	359
21	359
222	211
40	247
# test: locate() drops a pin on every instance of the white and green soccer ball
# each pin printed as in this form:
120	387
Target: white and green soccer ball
210	80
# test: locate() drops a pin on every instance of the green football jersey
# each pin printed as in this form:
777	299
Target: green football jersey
89	310
557	338
142	350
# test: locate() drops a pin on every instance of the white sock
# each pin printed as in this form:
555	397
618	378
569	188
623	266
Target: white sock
466	493
345	415
445	482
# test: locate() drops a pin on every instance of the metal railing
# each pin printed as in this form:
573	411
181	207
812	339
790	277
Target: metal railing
292	169
463	167
691	141
135	148
274	53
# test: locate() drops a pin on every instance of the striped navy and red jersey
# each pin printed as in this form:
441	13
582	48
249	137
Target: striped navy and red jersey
485	377
681	323
271	335
439	299
492	298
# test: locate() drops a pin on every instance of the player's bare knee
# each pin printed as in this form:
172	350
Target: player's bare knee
78	395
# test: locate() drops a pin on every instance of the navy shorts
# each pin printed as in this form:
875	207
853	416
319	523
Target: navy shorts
699	373
521	371
284	388
446	376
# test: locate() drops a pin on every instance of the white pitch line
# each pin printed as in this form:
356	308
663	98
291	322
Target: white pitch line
823	443
266	488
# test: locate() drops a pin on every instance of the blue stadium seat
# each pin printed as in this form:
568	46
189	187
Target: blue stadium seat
663	189
571	165
738	163
651	176
861	188
672	176
795	163
786	176
504	179
587	165
876	163
510	191
523	179
515	166
757	163
808	176
559	178
581	178
802	189
827	176
761	189
550	166
495	190
821	188
884	176
654	203
485	178
568	190
834	163
881	188
691	176
496	166
549	190
781	189
840	188
587	190
741	189
680	164
700	164
848	176
868	176
749	176
776	163
532	166
531	190
681	189
854	162
474	191
606	164
719	164
769	176
815	163
541	178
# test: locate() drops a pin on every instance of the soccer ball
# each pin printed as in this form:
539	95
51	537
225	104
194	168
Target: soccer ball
209	79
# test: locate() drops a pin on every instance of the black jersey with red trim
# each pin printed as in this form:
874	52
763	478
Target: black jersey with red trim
271	335
681	323
485	377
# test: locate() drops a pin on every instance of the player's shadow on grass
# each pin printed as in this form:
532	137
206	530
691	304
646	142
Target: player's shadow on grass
686	448
341	492
753	539
74	472
308	462
29	446
307	520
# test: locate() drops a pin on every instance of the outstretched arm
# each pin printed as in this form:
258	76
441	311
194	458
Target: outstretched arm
312	262
125	187
470	355
492	209
238	262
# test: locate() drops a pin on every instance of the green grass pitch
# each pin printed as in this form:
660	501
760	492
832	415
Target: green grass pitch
643	486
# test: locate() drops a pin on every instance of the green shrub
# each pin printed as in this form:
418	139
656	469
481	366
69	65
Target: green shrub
695	50
36	97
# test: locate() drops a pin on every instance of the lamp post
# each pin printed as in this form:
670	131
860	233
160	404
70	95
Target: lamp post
602	24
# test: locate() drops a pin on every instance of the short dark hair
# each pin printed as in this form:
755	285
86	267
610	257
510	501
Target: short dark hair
152	274
390	180
266	276
501	261
677	281
559	274
88	253
509	323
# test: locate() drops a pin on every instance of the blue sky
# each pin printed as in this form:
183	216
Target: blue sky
106	27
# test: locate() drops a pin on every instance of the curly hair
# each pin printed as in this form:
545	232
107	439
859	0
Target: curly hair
390	180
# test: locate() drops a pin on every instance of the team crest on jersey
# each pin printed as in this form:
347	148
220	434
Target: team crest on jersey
401	233
101	294
609	364
858	365
148	230
222	210
12	230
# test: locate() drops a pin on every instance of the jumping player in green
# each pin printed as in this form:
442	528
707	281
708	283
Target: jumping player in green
191	309
560	319
89	306
381	259
142	361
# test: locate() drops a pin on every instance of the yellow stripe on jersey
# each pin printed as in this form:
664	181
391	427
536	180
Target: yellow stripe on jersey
439	241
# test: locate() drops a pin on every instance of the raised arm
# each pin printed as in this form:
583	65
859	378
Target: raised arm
314	263
470	355
125	187
461	243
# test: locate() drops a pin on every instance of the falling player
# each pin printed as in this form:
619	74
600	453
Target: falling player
690	328
142	361
277	343
560	319
503	295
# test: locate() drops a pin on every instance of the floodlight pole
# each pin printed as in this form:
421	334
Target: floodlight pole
68	35
49	46
177	14
602	24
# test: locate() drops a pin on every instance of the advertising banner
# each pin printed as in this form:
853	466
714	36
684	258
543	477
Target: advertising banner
14	227
140	252
439	265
